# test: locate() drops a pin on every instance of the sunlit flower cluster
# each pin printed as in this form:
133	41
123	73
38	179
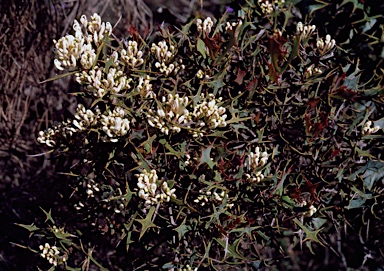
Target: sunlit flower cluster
144	87
312	70
91	188
267	6
99	83
305	31
83	46
204	26
229	26
150	189
85	118
115	123
52	254
255	161
187	268
369	128
95	29
312	210
64	129
324	46
171	115
208	113
165	58
217	197
132	57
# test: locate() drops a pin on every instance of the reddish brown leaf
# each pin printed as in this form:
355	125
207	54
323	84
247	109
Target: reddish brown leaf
240	76
310	188
252	84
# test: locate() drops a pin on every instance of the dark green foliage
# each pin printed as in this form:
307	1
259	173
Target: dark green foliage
303	108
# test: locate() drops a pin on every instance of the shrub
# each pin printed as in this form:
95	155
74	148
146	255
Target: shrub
225	143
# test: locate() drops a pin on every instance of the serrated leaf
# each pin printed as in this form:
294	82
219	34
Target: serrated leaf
147	222
31	227
49	216
206	157
309	235
232	249
182	229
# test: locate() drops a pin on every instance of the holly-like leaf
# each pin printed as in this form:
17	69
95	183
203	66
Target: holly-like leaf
49	216
182	229
147	222
309	235
240	76
206	157
231	249
31	227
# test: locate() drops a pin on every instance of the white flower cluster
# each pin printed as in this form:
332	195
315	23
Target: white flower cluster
368	129
267	7
208	113
145	88
171	115
187	268
255	161
200	74
70	49
165	55
91	188
305	31
99	83
118	202
312	210
85	118
96	29
115	123
229	26
204	26
219	198
132	56
52	254
149	189
311	70
324	46
48	136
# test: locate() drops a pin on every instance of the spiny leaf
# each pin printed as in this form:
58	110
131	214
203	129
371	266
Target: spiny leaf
31	227
49	216
232	249
309	235
206	158
147	222
182	229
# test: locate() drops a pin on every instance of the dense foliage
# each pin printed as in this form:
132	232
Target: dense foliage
239	141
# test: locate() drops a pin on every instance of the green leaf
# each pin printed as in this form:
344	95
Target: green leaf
232	249
147	222
206	157
313	8
355	203
31	227
182	229
356	4
309	235
372	172
49	216
169	147
201	47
